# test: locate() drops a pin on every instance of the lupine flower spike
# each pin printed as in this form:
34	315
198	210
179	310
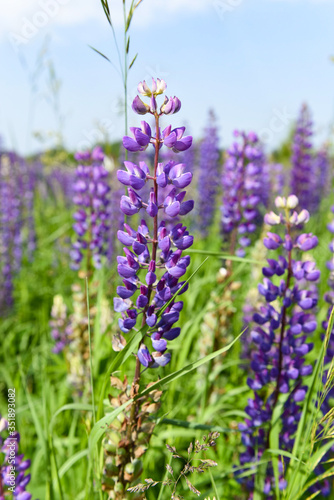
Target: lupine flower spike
302	177
91	218
153	263
281	329
242	192
208	179
150	268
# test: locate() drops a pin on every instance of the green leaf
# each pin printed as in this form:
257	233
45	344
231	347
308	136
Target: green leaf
325	475
127	45
260	477
100	53
214	485
121	357
274	444
106	9
70	406
224	256
189	368
101	426
133	61
72	460
192	425
296	477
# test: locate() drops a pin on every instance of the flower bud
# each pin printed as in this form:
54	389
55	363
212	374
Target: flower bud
272	219
139	106
292	201
144	89
280	202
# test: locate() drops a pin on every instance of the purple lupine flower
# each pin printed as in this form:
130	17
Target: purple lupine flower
61	182
302	175
321	172
12	477
208	179
12	219
91	218
242	191
153	262
280	342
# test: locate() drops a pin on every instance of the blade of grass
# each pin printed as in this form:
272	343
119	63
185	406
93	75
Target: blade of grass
72	460
189	368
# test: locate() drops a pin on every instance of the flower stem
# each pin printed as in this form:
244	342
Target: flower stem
136	379
282	331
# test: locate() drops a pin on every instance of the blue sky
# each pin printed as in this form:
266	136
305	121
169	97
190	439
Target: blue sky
253	61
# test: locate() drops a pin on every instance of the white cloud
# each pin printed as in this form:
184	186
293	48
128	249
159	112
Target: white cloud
16	16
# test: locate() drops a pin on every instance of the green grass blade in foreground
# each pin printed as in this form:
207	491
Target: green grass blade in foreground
214	485
90	352
164	479
71	461
297	478
224	256
101	426
325	475
260	477
274	444
121	357
132	345
191	425
70	406
313	495
189	368
181	288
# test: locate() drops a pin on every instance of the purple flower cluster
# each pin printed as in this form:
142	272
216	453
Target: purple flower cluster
61	182
329	298
13	478
302	181
92	216
153	263
282	327
321	172
208	179
242	191
17	185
